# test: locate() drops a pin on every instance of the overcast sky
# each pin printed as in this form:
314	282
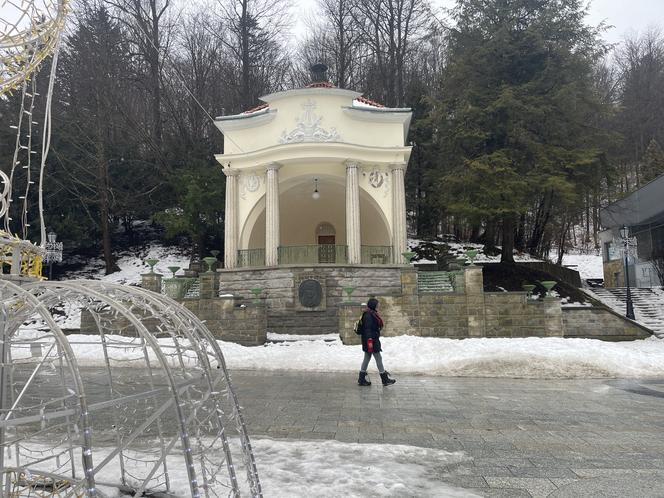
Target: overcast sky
627	16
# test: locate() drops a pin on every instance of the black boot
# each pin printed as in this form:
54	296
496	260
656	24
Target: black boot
362	380
386	379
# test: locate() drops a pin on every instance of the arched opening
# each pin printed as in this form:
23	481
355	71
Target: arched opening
326	241
308	222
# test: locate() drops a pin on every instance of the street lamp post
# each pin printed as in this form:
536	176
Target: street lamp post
53	251
624	234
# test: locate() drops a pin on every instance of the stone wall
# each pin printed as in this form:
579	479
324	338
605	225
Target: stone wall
491	314
512	314
285	315
600	323
469	312
244	324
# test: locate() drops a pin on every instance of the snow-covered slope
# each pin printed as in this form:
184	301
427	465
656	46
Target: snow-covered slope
588	265
132	265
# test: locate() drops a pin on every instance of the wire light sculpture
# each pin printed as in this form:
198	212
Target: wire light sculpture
144	407
30	31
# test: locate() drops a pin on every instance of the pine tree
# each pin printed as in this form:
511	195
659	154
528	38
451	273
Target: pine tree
653	162
516	104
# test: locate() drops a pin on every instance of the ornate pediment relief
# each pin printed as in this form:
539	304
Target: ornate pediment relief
308	128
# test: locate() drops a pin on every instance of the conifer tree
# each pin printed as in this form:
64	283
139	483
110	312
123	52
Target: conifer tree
653	162
516	102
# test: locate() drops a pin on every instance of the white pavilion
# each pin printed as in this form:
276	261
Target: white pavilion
315	176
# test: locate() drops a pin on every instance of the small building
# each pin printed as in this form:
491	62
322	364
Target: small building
642	212
315	176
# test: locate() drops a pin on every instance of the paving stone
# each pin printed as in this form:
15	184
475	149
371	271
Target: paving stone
523	437
465	481
483	471
501	493
611	487
545	472
538	488
560	482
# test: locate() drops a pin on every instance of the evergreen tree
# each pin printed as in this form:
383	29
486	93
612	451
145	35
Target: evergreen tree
516	102
198	207
653	162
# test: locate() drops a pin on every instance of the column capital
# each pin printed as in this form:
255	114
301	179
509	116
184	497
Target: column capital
228	171
351	163
398	166
272	166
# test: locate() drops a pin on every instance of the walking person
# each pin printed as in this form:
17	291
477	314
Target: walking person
371	326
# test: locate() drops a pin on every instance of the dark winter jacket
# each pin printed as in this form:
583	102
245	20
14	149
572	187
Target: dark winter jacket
370	329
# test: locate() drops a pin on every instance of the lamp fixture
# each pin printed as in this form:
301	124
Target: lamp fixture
316	194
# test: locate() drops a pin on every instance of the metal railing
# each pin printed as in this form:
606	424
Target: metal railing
313	254
376	255
250	257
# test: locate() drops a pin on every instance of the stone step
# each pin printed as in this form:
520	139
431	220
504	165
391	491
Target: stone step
434	281
194	291
648	305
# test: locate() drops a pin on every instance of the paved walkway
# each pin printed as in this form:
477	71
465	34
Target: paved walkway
559	438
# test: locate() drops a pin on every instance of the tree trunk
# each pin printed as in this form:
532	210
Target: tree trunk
245	98
103	185
154	62
541	220
520	241
507	253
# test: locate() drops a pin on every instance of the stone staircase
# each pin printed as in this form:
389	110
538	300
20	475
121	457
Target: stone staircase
648	304
434	281
194	291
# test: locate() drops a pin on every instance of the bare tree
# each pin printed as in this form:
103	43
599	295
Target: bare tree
193	89
393	30
340	39
149	29
640	64
253	36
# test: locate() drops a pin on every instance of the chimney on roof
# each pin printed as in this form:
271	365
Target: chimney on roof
318	71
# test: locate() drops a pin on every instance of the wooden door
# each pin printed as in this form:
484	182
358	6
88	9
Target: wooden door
326	249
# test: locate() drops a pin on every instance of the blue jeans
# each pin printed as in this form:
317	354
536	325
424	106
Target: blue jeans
367	358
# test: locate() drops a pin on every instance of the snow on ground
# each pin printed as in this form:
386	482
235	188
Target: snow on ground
588	265
460	248
333	469
293	469
531	357
133	265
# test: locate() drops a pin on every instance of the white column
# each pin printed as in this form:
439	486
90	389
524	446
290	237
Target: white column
230	219
272	215
353	213
399	236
